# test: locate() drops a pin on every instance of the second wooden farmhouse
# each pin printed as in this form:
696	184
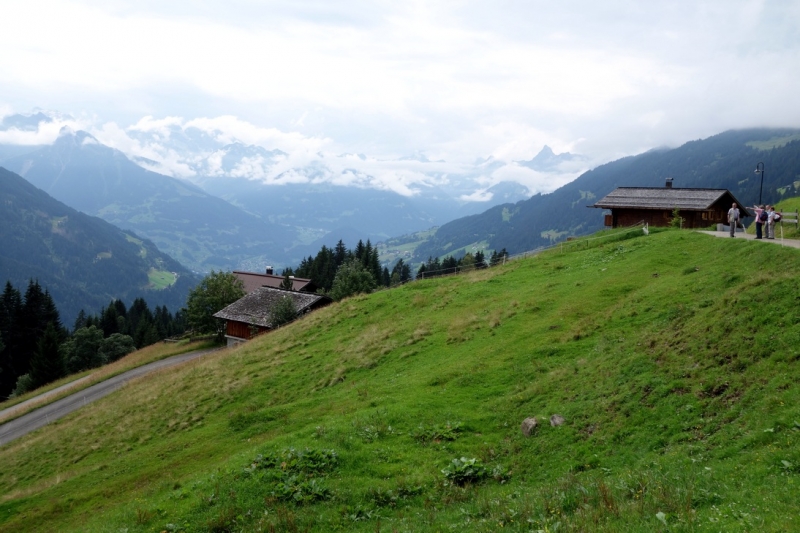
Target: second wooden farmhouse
699	208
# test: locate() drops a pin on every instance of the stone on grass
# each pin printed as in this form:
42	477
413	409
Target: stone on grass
556	420
528	425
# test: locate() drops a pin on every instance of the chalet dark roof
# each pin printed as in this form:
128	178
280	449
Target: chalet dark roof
254	280
256	308
666	198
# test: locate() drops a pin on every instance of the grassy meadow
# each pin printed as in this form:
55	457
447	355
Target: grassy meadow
672	359
149	354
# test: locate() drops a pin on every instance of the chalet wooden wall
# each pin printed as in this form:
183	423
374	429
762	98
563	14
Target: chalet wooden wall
241	330
621	218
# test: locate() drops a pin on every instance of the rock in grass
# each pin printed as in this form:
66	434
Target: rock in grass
556	420
528	425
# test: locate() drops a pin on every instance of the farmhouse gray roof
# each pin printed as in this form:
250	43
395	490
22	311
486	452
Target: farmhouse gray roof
256	308
665	198
254	280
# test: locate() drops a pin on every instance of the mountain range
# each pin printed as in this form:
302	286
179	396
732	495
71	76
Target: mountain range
198	229
724	161
232	205
83	261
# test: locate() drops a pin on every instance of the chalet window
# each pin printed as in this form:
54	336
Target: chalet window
667	214
705	215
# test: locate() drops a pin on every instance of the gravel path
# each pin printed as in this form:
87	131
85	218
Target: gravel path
782	242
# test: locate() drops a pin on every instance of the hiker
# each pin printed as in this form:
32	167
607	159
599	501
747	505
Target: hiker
733	218
772	217
761	217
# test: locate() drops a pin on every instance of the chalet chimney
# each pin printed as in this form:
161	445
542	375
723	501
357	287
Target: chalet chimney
269	270
668	185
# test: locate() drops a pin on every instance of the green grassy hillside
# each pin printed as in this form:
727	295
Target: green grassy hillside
673	361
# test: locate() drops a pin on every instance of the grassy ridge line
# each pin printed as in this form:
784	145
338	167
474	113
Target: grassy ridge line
149	354
673	360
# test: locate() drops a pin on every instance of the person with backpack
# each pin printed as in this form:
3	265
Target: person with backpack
761	218
733	218
772	218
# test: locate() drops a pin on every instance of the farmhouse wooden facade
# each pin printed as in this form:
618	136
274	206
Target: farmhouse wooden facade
699	208
252	315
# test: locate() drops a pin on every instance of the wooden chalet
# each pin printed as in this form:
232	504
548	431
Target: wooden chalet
251	315
254	280
699	208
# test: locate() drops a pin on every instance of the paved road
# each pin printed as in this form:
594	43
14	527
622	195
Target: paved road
22	405
782	242
48	413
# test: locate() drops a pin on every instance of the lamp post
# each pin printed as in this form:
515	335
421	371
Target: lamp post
760	168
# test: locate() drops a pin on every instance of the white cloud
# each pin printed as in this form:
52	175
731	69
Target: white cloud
227	129
45	133
456	80
477	196
537	182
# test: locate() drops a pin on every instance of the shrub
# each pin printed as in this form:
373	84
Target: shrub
447	432
463	471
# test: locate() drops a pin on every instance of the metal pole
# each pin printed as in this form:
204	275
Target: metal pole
760	168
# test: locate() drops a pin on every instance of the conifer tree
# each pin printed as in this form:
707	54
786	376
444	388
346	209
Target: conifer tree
10	311
38	310
480	260
340	253
80	321
47	363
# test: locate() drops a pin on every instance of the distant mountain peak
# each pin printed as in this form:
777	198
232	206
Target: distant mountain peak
31	121
68	136
548	161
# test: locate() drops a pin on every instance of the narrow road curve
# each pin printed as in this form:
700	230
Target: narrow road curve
35	419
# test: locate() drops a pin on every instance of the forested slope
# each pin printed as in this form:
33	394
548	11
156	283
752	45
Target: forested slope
83	261
201	231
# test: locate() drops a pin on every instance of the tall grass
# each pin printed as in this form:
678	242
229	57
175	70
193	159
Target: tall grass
671	358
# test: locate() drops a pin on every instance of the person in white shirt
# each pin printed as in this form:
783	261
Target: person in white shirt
733	218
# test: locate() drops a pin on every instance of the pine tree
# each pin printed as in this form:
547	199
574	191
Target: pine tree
108	320
286	284
47	363
80	321
340	254
138	312
38	310
10	315
480	260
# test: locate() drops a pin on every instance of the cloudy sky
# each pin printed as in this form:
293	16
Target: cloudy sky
451	80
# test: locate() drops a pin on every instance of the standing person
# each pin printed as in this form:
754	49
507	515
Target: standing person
770	225
761	217
733	218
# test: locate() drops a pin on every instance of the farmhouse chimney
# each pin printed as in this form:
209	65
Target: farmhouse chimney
668	184
269	270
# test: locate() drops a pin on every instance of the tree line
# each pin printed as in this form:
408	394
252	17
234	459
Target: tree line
36	349
340	272
433	267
